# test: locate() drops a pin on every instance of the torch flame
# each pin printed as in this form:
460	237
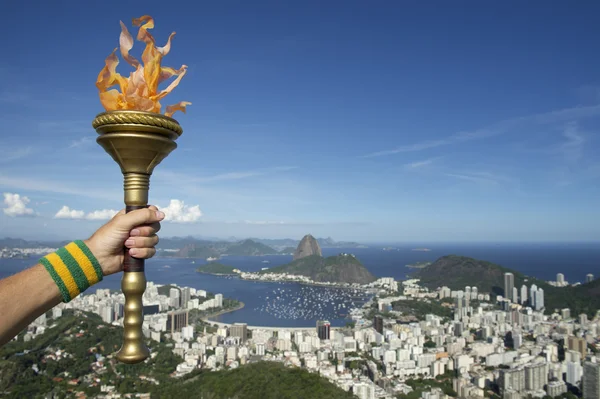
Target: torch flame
139	91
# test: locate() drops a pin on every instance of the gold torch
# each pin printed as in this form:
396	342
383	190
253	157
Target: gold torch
138	137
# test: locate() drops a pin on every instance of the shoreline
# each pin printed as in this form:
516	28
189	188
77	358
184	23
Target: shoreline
224	311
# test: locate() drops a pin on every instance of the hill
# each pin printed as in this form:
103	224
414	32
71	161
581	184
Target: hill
216	268
205	249
31	369
457	272
262	380
342	268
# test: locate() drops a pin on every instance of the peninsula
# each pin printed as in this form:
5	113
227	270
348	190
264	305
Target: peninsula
217	268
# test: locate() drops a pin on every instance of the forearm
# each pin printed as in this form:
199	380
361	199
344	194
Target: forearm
24	297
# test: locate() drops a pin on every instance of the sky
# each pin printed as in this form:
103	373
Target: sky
388	121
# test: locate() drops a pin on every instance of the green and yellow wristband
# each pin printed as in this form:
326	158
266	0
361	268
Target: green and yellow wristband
73	268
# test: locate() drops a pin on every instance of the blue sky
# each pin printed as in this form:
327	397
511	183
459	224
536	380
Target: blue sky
381	121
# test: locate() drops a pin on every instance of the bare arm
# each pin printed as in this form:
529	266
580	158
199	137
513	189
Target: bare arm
29	294
23	298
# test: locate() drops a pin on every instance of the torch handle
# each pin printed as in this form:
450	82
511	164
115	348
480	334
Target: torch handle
131	264
133	286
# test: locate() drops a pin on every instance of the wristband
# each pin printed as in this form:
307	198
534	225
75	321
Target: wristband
73	268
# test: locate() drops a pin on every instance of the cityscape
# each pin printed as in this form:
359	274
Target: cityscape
490	346
300	200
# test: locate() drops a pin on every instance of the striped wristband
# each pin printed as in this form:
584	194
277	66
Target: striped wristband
73	268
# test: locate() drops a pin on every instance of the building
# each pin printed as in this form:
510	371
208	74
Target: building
219	301
536	376
591	380
177	320
539	299
378	324
578	344
175	297
574	373
589	278
523	294
556	388
364	390
560	279
512	380
323	329
509	284
239	330
185	296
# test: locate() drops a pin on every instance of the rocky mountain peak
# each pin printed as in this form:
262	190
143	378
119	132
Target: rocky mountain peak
308	246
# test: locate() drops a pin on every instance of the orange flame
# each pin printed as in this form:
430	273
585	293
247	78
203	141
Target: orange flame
139	91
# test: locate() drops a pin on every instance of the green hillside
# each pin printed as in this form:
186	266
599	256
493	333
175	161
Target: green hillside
338	269
457	272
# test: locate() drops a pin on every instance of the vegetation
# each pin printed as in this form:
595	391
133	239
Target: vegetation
206	249
216	268
457	272
338	269
420	385
262	380
421	308
419	265
88	344
85	339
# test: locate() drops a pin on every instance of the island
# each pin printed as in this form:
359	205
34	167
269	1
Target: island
309	263
419	265
217	269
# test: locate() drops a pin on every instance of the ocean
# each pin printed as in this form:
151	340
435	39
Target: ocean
297	305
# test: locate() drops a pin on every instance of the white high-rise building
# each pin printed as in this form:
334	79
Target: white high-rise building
515	295
539	299
560	279
523	294
219	300
536	376
509	283
174	297
364	390
532	292
574	372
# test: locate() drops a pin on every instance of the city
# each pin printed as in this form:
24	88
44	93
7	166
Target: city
492	346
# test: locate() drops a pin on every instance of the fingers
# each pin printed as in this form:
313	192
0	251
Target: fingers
141	242
139	217
142	253
145	231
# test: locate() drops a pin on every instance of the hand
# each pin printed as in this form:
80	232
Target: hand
135	230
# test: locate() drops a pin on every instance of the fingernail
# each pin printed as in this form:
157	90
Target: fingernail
160	215
133	251
129	243
135	232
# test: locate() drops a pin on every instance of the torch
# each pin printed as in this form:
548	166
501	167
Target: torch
138	137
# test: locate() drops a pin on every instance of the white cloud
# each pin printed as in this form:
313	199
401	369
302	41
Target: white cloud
495	129
572	148
16	205
178	212
104	214
67	213
420	164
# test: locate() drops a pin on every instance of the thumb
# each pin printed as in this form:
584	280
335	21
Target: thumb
139	217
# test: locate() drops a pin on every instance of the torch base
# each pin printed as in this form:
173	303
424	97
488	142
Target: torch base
133	349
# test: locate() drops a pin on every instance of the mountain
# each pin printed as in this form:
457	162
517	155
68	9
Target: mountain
259	380
216	268
323	243
32	369
457	272
205	249
342	268
308	246
8	242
